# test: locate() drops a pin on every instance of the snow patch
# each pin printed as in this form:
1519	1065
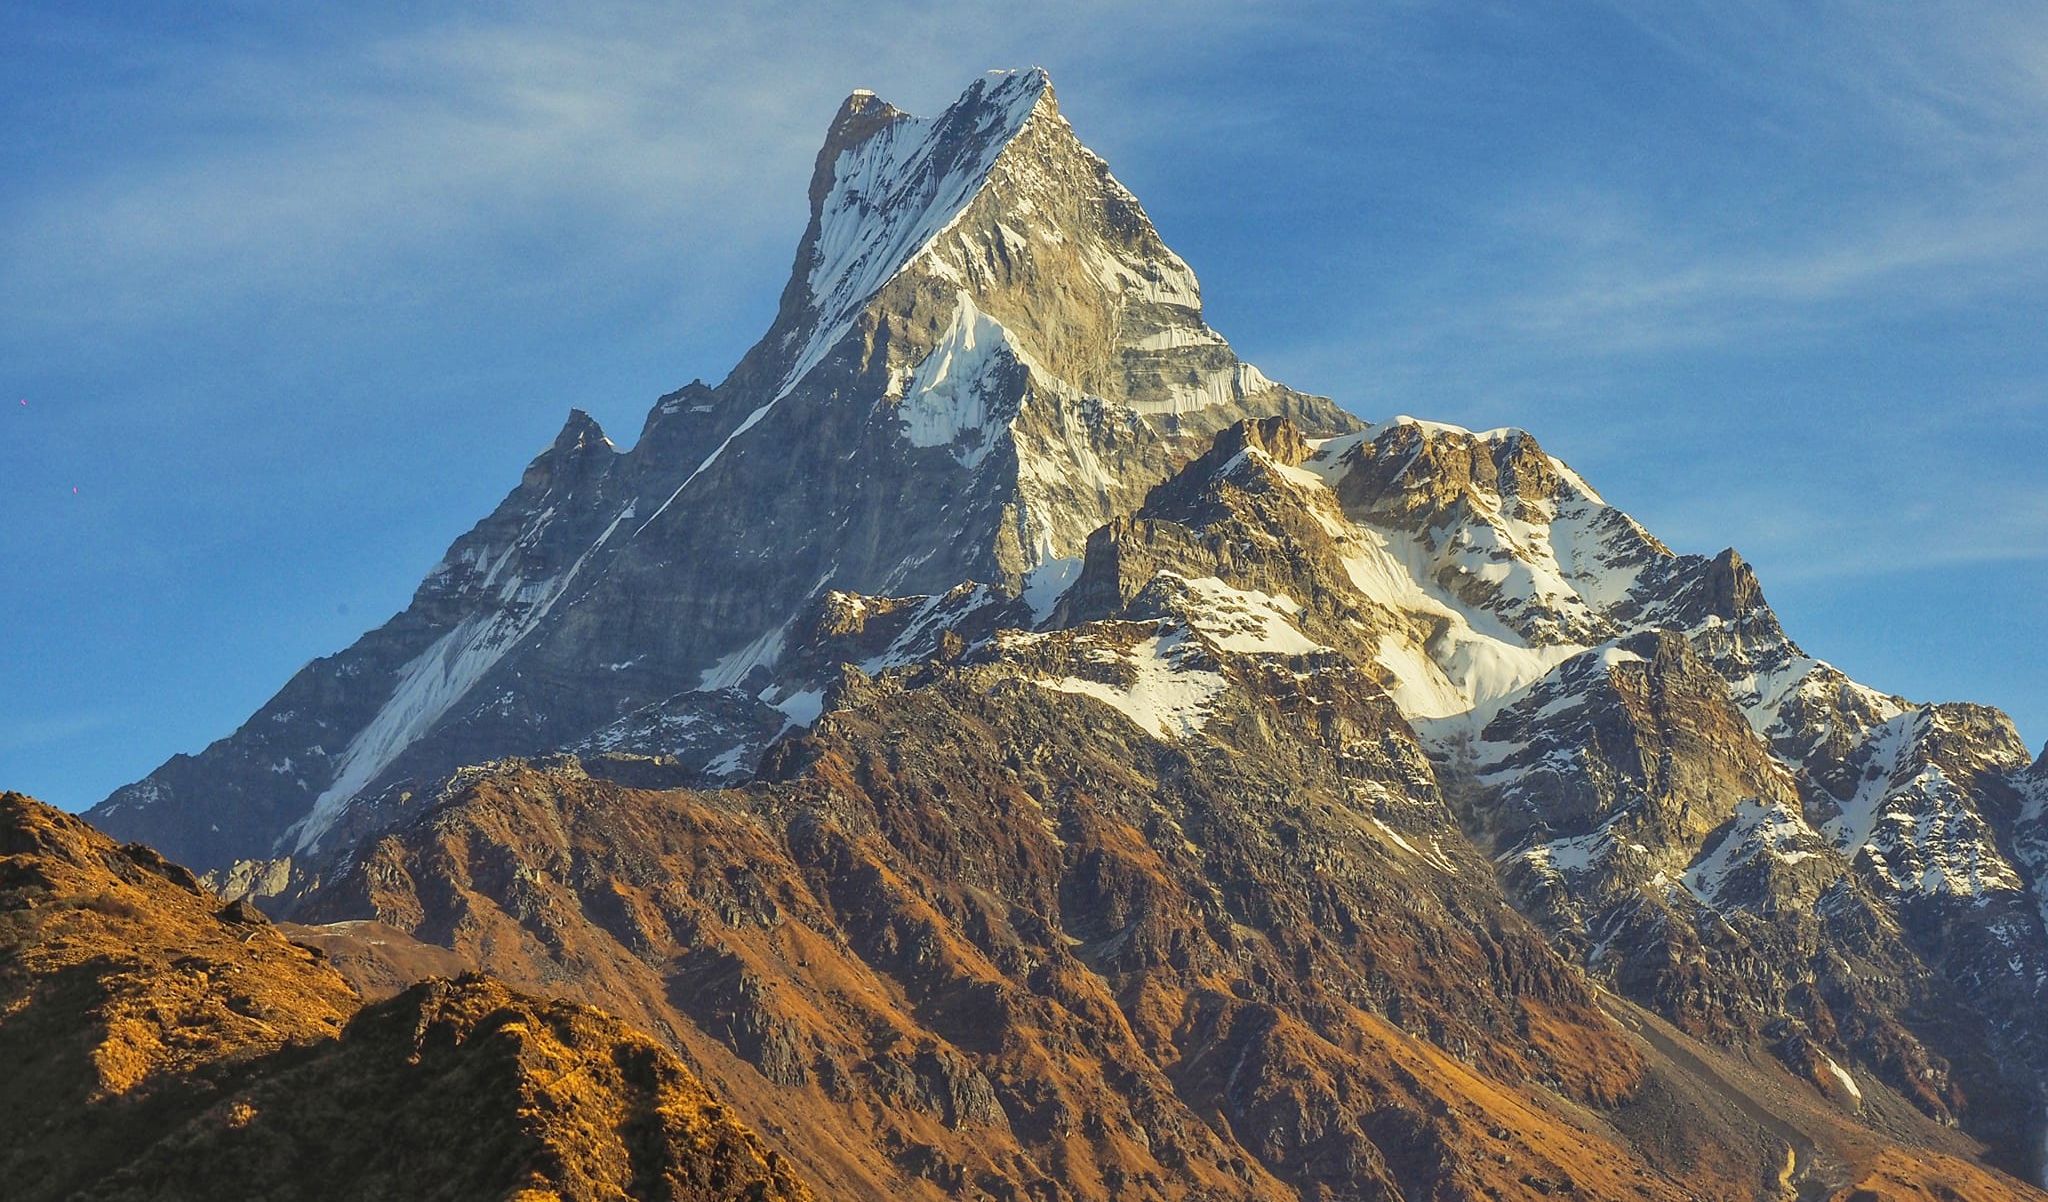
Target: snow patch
1842	1075
955	393
1224	386
731	762
1756	830
1174	337
1472	662
1165	694
1045	584
1572	856
734	667
1434	857
1917	829
892	196
1243	620
803	707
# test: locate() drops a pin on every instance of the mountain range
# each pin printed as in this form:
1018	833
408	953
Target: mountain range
998	743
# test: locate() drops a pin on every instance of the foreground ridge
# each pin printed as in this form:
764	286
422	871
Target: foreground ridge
161	1045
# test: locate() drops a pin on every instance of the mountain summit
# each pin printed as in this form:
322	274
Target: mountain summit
984	352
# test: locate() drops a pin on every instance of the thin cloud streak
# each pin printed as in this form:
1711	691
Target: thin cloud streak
1937	127
44	732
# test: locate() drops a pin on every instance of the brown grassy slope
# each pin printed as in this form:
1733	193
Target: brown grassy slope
160	1045
128	1002
464	1089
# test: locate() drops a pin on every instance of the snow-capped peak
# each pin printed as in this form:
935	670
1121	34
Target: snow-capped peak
888	184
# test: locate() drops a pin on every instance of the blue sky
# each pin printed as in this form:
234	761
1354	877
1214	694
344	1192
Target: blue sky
293	296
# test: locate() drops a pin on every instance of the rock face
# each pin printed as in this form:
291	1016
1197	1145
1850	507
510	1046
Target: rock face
162	1045
1006	745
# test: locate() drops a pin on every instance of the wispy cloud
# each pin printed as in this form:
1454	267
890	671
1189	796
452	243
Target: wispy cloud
344	167
1872	163
44	732
1959	82
1798	541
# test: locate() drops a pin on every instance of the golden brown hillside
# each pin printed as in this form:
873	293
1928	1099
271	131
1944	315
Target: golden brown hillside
161	1045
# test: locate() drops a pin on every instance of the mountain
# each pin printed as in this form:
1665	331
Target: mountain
916	416
1003	744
